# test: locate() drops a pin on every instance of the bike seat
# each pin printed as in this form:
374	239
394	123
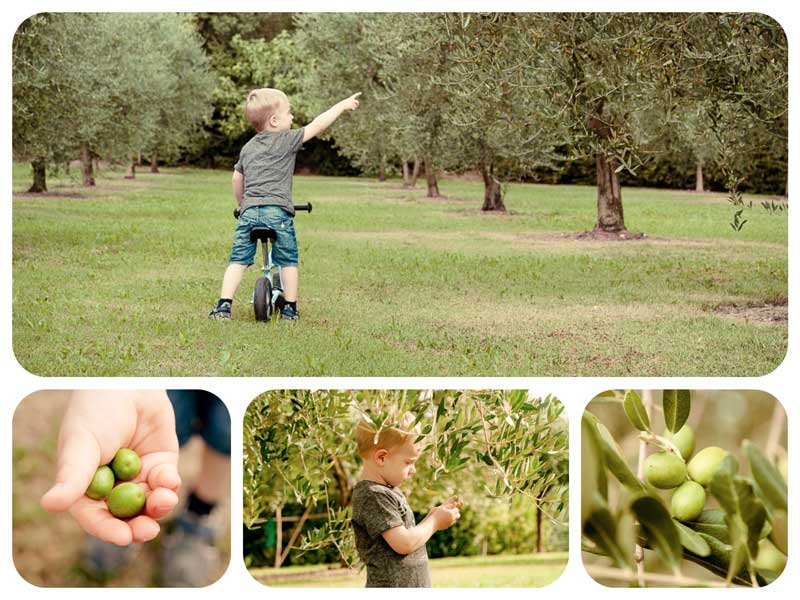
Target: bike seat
262	234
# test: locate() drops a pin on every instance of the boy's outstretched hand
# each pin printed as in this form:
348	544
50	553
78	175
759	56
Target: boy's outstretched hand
352	102
95	426
448	512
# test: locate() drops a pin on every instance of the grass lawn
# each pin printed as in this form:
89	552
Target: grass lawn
118	281
524	570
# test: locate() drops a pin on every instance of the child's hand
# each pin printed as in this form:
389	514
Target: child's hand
351	103
95	426
447	513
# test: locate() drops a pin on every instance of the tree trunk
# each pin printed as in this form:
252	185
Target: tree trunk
39	176
382	168
87	166
492	193
154	163
139	158
539	536
415	173
406	175
131	174
698	186
294	535
430	175
278	536
609	196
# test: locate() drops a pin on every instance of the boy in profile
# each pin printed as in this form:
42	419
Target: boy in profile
262	184
389	542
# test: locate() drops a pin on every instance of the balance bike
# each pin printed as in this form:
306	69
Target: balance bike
268	294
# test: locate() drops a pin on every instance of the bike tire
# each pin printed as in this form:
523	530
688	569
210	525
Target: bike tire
262	299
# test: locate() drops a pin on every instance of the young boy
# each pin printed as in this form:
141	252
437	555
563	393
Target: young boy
389	542
262	184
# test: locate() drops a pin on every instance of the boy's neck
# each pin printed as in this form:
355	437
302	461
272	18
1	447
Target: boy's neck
370	472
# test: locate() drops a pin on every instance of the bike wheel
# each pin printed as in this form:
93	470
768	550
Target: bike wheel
262	299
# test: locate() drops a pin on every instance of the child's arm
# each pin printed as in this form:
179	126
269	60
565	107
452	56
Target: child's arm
238	187
326	119
405	540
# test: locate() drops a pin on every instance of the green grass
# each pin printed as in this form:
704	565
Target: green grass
524	570
119	281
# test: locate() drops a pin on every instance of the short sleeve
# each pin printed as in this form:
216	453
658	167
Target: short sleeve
295	139
238	166
379	512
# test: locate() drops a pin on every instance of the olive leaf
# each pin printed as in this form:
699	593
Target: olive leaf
601	528
676	404
593	476
780	531
745	514
659	530
613	456
635	411
692	541
770	485
718	561
712	522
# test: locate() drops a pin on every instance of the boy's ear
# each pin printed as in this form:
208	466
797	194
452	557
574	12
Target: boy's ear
380	456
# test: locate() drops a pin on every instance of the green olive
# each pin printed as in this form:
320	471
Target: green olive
769	558
688	501
665	470
705	463
126	464
102	482
684	441
126	500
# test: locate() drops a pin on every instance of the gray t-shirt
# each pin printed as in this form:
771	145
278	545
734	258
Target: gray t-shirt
376	508
267	163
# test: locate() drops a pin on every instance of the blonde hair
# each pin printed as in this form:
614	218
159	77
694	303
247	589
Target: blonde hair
369	440
262	104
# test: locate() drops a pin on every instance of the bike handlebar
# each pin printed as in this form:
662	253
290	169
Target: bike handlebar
305	207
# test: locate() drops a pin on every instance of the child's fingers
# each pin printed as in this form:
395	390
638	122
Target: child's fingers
162	474
143	528
78	457
160	503
94	519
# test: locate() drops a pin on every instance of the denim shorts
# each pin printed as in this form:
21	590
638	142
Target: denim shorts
284	248
202	413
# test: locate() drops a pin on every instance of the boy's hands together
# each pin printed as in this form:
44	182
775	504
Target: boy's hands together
447	513
94	427
352	102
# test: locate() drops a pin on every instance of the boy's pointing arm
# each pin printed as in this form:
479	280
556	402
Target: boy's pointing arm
326	119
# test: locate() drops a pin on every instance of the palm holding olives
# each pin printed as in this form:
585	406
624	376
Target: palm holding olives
127	499
96	424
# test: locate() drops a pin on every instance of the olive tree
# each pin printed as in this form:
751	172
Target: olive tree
487	447
46	98
104	85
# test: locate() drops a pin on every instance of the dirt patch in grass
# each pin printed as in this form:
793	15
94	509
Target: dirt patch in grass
777	312
609	236
53	194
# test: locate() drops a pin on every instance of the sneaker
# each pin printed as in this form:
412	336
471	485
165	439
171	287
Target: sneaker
102	561
289	314
221	311
189	555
